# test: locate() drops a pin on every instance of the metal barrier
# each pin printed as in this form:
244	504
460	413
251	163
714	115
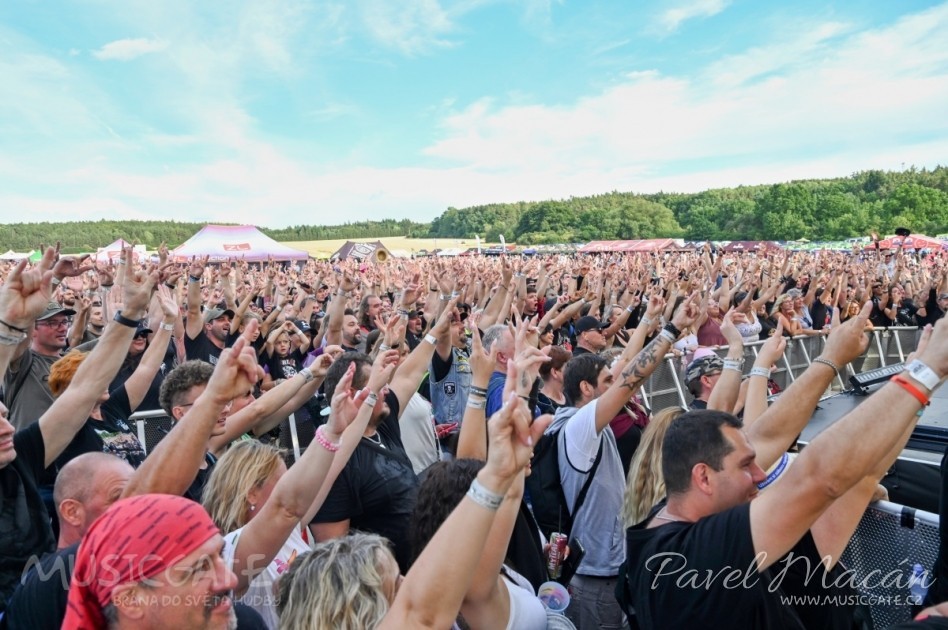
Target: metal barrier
888	542
887	346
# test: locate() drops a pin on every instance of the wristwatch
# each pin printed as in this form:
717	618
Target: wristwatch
923	374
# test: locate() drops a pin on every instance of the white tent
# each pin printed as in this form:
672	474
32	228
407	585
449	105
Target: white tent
227	242
12	255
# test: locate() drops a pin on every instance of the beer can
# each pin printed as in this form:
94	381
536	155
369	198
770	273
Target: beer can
554	562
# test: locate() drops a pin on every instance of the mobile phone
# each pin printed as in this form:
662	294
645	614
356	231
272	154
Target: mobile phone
571	563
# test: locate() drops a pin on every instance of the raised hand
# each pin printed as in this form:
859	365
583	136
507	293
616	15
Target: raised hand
345	404
137	288
382	369
26	292
482	362
688	312
196	268
71	266
848	341
235	373
771	351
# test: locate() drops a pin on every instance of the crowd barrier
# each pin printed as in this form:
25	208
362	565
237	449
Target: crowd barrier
889	541
887	346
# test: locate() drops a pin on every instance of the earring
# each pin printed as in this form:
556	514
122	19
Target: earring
253	506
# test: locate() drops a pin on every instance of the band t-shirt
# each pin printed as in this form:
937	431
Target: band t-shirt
377	489
112	434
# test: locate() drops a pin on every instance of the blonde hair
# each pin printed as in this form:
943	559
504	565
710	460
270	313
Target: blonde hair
645	485
246	465
337	585
778	303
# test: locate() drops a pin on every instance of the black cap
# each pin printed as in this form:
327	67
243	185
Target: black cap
589	322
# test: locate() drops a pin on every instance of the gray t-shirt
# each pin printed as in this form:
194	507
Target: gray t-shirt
598	525
26	388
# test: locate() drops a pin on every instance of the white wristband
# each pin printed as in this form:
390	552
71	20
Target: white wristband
760	371
168	327
431	339
307	374
667	336
734	364
484	497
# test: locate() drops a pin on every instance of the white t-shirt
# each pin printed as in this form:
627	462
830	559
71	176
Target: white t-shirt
418	435
261	594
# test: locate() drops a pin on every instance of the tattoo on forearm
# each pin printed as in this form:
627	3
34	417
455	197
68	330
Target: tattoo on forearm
524	380
643	364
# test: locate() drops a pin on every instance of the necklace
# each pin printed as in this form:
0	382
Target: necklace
377	439
670	519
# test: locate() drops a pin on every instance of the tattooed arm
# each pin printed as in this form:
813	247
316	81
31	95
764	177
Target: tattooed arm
642	366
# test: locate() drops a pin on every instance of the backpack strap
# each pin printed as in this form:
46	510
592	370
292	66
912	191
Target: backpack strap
587	484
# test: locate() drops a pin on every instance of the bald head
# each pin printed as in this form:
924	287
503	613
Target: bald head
85	488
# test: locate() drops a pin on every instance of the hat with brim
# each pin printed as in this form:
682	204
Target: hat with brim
703	367
216	313
588	322
55	308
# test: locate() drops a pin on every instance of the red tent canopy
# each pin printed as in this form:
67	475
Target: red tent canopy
648	245
912	241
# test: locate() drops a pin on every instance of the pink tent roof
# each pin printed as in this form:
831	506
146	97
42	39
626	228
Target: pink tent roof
649	245
225	242
913	241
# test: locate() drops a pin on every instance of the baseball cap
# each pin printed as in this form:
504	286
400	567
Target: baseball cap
588	322
55	308
143	328
215	313
702	367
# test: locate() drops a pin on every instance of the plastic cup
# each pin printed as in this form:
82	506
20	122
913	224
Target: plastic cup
554	596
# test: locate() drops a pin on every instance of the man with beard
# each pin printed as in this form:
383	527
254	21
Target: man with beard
343	327
205	336
26	392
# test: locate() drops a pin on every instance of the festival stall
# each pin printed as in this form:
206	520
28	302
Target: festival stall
227	242
352	250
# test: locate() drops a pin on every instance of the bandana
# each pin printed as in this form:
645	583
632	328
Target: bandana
133	540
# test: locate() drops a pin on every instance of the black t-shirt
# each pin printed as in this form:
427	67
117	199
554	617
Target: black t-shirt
545	404
284	367
377	489
39	602
659	561
196	490
201	348
112	434
24	522
150	401
932	312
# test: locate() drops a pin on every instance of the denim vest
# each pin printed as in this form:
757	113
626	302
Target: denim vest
449	395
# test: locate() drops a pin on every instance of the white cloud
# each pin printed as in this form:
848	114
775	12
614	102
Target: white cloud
128	49
867	92
671	19
411	27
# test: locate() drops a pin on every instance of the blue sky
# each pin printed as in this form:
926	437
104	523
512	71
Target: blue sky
286	112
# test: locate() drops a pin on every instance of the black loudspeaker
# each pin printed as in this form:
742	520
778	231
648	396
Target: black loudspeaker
914	483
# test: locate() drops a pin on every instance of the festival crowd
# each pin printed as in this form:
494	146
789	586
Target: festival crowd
479	432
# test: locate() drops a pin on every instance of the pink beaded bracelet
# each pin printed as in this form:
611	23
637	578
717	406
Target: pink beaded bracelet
324	442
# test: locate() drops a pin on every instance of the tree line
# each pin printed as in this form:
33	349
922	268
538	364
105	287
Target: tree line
84	236
815	209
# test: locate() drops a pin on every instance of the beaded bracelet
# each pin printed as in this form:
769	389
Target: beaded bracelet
484	497
323	441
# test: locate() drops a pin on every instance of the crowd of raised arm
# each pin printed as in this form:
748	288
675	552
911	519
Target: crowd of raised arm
463	410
